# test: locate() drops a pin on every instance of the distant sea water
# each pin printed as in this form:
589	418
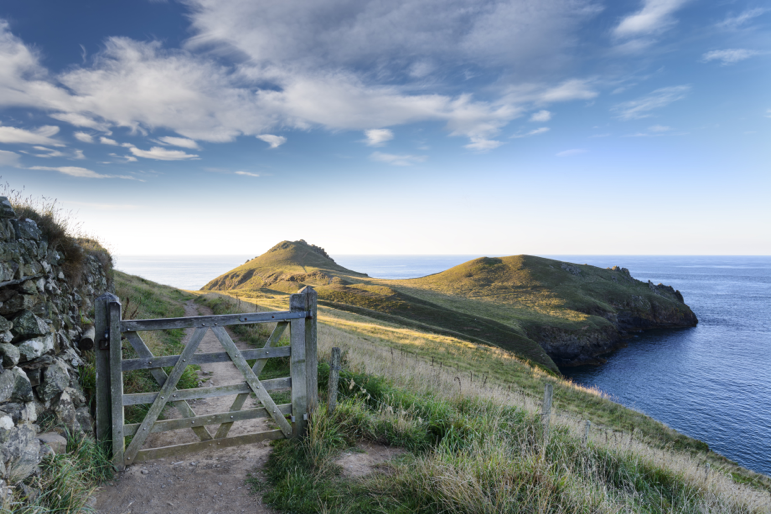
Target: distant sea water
711	382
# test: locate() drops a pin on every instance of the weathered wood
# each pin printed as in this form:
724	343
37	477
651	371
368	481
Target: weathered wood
251	379
103	401
163	396
116	383
137	325
311	355
297	367
548	391
181	449
238	403
206	392
160	376
334	377
201	358
209	419
587	427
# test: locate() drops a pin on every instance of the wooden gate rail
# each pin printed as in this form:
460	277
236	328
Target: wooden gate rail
110	366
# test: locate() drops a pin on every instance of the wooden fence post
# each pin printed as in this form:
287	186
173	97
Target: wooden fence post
586	432
102	358
334	377
116	383
311	348
548	390
297	366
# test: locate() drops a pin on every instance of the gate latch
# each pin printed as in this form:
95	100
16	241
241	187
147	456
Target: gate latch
104	343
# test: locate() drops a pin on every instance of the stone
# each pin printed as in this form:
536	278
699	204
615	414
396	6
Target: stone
55	380
34	348
10	354
6	337
15	386
20	452
18	302
76	393
83	415
27	325
6	421
28	287
5	324
21	413
6	210
55	441
66	413
28	229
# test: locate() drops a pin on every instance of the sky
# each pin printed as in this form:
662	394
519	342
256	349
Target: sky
494	127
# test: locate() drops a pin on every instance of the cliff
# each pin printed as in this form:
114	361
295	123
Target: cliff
48	281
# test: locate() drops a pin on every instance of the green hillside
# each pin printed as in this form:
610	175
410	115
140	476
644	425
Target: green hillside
546	311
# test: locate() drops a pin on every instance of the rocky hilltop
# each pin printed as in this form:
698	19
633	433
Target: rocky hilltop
549	312
48	282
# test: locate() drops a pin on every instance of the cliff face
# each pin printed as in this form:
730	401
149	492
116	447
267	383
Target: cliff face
46	309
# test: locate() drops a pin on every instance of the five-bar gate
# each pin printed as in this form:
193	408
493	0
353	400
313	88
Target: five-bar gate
110	366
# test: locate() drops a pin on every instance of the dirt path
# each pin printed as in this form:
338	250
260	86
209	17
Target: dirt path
208	482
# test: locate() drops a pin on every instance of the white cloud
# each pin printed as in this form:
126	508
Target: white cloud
182	142
9	158
48	152
642	107
79	155
162	154
654	17
108	141
734	22
541	130
398	160
376	137
74	171
573	151
246	173
273	141
729	56
39	136
80	120
659	128
482	144
84	137
574	89
541	116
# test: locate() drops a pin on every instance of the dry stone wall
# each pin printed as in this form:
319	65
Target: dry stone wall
43	316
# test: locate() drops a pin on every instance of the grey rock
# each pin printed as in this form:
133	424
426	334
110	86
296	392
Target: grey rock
66	413
573	270
55	441
17	303
5	324
10	354
83	415
28	287
34	348
20	452
6	337
6	421
55	380
28	229
35	376
21	412
76	393
6	210
27	325
15	386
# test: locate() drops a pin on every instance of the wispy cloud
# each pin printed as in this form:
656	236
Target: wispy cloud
84	137
541	116
38	136
80	120
74	171
730	56
398	160
654	17
162	154
182	142
108	141
734	22
9	158
376	137
642	107
541	130
659	128
247	173
572	151
273	141
482	144
47	153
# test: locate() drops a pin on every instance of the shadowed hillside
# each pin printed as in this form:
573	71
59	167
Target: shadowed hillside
546	311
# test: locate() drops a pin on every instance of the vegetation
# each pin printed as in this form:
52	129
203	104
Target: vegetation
520	304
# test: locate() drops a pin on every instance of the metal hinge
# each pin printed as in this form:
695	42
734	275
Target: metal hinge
104	344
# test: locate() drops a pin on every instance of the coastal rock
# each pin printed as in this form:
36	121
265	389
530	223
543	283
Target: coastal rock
9	354
53	440
15	386
19	452
27	229
27	325
6	210
34	348
55	380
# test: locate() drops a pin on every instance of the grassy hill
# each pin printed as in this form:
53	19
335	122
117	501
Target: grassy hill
547	312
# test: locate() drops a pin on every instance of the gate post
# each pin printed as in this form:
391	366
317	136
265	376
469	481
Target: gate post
102	364
297	366
311	350
116	383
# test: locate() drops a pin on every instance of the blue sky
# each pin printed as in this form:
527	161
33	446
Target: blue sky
403	127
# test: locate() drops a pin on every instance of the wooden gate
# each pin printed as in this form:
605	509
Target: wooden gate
110	366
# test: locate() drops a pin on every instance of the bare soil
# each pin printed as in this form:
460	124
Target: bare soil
366	458
208	482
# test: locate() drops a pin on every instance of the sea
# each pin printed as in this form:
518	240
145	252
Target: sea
711	382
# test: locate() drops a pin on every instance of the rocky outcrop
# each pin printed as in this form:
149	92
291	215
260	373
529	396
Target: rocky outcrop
44	311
